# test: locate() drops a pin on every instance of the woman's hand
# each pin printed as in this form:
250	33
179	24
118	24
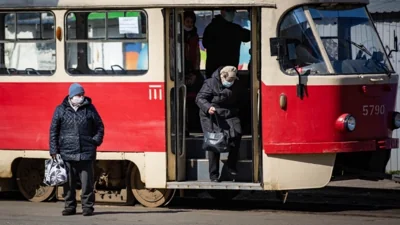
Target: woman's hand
211	110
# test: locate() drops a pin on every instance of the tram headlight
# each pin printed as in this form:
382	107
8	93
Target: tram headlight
346	122
396	120
350	123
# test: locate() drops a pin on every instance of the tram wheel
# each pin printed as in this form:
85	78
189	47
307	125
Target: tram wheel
223	195
148	197
30	174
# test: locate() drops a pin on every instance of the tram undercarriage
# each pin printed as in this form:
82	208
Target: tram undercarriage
363	165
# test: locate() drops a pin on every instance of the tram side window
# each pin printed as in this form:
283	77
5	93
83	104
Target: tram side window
107	43
27	43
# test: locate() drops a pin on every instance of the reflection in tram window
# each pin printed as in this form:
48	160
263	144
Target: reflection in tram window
27	43
101	43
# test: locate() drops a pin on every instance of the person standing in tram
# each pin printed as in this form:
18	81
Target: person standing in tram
192	49
193	79
219	96
222	39
75	133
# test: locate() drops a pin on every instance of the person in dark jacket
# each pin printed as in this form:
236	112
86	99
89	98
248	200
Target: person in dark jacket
192	49
222	39
219	95
75	133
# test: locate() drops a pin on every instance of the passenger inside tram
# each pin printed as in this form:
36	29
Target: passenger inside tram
191	37
223	38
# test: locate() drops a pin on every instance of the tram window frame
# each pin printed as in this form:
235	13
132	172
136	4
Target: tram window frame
114	70
41	39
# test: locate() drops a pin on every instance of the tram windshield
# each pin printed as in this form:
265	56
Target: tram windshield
348	35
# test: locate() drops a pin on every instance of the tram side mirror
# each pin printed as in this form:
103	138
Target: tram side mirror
292	51
283	48
278	47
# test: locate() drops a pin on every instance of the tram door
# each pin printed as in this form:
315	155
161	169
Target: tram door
177	92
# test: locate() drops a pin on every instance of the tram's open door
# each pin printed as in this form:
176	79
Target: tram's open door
176	94
187	162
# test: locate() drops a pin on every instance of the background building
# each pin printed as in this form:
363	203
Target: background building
386	15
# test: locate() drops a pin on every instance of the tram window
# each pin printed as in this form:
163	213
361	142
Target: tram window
296	30
203	18
350	40
27	43
106	43
348	37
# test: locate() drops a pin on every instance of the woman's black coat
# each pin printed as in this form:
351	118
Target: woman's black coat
226	103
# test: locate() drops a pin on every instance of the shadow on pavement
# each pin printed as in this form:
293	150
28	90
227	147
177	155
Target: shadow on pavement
141	212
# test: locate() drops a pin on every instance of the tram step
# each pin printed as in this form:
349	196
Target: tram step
197	170
213	185
195	151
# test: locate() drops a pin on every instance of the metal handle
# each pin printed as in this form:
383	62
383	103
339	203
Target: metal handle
183	120
376	79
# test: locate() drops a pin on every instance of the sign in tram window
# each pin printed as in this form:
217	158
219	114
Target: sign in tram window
107	43
203	18
27	43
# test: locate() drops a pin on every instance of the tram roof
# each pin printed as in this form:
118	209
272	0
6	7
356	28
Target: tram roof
156	3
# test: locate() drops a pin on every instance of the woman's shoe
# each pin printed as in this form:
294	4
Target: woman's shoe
216	180
232	171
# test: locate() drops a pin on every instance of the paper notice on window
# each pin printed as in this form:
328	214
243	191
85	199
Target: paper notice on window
128	25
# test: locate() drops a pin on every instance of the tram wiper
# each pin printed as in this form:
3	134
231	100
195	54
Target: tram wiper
373	56
359	46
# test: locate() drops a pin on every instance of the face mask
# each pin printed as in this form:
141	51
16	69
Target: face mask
227	84
77	99
229	16
187	28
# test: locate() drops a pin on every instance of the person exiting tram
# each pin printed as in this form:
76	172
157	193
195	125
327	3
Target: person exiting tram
75	133
222	39
219	96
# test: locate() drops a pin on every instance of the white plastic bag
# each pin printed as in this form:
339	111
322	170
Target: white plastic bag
55	172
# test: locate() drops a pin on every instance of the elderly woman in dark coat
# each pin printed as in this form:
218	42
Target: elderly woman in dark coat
75	133
219	96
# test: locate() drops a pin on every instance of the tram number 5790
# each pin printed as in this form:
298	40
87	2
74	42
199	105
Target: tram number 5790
369	110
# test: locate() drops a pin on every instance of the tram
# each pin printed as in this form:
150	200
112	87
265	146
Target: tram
319	94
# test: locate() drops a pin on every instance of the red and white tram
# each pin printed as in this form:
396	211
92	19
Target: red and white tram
306	118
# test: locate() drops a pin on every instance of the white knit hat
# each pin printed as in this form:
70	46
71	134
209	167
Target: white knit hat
231	72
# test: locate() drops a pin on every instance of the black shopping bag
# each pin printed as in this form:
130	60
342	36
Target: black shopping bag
216	141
